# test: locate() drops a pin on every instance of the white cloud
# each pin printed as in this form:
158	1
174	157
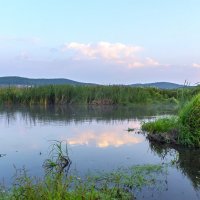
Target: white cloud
118	53
145	62
196	65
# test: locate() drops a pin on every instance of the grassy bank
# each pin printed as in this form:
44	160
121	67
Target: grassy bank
183	129
120	184
95	95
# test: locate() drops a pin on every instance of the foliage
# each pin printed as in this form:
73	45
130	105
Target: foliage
189	118
120	184
187	125
59	160
59	185
85	94
21	81
162	125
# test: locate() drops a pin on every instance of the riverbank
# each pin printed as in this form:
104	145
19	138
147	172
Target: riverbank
181	130
93	95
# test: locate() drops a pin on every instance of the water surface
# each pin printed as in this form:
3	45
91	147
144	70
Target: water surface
97	140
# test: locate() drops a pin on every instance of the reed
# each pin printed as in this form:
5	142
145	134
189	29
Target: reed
95	95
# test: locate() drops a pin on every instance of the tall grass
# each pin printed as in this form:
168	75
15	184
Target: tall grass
183	129
68	94
163	125
189	119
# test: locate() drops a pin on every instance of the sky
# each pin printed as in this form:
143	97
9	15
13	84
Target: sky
101	41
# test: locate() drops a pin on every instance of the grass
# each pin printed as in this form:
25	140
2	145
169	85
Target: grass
57	184
130	129
59	160
120	184
97	95
189	119
163	125
185	127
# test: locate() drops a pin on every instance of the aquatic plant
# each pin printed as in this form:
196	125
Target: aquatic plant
130	129
162	125
58	161
94	95
119	184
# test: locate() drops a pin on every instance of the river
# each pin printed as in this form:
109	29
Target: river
97	140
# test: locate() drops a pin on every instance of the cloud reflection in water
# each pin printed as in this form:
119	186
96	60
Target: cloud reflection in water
102	138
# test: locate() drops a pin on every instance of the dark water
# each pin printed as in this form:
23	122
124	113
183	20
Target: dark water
97	140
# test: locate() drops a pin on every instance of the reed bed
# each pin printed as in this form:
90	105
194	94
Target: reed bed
95	95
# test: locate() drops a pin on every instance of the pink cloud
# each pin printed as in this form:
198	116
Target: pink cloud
196	65
117	53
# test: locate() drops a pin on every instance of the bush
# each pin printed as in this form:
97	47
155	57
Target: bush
189	118
186	125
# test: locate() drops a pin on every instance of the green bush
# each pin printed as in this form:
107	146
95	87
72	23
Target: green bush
190	123
187	124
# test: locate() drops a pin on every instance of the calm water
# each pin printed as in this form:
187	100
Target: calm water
98	140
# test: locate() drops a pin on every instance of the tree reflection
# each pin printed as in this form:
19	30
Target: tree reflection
185	159
77	113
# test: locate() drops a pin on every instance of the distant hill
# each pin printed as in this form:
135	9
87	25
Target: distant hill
161	85
21	81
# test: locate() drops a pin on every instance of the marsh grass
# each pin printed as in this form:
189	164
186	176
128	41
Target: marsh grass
162	125
185	128
189	119
120	184
98	95
57	185
58	161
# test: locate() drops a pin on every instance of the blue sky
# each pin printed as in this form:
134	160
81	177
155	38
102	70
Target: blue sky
102	41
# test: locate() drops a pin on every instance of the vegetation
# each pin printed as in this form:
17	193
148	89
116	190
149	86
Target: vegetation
162	125
115	185
58	184
161	85
184	159
21	81
184	129
59	160
190	123
95	95
78	113
130	129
